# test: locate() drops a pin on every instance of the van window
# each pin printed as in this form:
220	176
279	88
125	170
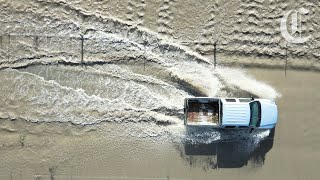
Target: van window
245	99
231	100
255	114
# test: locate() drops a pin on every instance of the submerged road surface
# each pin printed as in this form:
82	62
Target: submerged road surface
78	135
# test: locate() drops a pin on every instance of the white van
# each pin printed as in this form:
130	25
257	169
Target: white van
230	112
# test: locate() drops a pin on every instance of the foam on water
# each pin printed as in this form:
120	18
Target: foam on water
32	98
207	136
238	78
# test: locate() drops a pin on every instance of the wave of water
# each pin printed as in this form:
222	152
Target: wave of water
107	93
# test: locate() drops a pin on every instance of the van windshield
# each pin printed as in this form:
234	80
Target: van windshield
255	114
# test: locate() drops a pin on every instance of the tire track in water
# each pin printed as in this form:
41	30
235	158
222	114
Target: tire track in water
141	12
165	17
130	10
135	11
209	32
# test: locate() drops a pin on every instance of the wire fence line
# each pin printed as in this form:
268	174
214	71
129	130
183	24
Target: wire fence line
16	46
81	36
75	177
106	177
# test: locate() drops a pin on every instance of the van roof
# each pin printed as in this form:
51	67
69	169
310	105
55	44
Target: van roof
235	112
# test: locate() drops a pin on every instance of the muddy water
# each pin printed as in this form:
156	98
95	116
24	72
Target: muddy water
120	116
145	149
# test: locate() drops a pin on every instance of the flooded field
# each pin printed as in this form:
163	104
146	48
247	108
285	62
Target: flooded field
95	89
160	148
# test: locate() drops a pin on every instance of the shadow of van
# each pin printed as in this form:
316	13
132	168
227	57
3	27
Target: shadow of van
226	148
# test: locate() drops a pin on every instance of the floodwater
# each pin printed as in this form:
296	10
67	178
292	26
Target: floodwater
110	105
78	135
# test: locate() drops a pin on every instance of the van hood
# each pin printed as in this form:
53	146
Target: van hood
269	114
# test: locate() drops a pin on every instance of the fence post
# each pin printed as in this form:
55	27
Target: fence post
82	41
36	42
1	42
215	54
52	171
285	67
8	46
48	41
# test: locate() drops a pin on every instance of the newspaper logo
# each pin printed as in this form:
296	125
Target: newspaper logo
296	26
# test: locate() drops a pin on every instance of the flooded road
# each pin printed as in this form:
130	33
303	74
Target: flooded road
295	153
95	90
152	149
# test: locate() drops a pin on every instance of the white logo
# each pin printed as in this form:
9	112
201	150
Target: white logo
295	27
